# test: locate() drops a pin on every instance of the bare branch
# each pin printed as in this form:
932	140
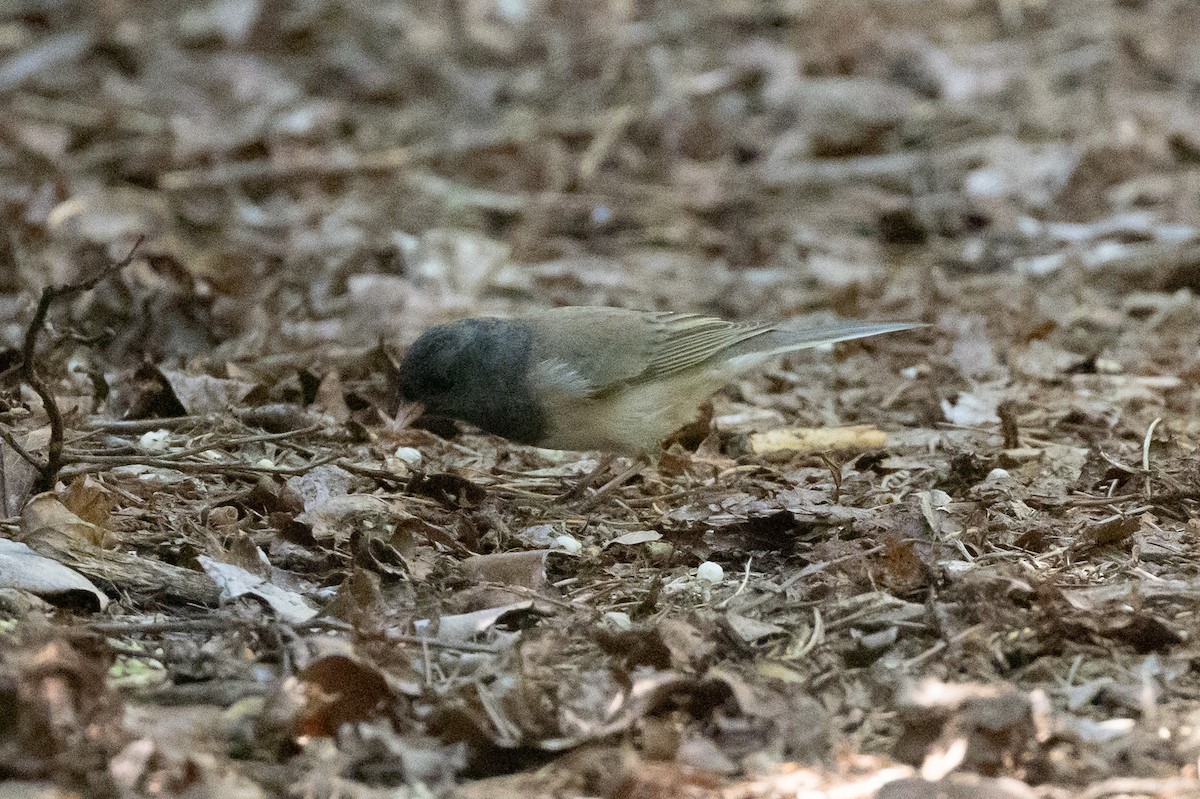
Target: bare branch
48	471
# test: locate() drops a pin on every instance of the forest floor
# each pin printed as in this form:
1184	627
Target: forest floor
959	561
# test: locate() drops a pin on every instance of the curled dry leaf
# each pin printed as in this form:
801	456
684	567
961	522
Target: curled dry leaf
331	398
463	627
46	519
236	582
525	569
90	500
203	394
24	569
634	538
54	532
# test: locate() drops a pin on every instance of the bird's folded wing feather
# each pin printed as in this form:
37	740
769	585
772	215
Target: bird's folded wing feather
687	340
624	347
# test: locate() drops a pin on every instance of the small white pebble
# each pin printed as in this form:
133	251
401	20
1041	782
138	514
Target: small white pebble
154	440
265	463
409	455
567	544
997	474
710	572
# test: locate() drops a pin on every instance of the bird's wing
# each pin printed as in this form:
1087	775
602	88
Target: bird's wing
583	351
588	351
687	340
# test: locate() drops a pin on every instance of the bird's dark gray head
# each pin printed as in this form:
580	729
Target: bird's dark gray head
477	371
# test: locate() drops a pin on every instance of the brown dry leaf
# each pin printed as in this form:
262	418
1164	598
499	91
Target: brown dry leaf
90	500
47	520
145	394
689	646
340	689
331	398
1143	631
54	532
204	394
279	417
358	600
981	727
63	721
1106	533
525	569
900	566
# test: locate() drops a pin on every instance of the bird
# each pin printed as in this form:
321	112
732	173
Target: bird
586	378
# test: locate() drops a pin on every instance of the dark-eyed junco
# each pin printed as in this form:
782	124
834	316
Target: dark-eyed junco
584	378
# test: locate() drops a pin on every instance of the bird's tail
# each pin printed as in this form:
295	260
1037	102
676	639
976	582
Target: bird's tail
753	352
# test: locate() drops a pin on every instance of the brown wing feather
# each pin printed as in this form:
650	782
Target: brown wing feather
585	352
588	351
687	340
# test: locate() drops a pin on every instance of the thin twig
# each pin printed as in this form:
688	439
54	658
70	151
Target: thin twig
140	425
462	646
48	472
102	463
207	624
81	456
32	460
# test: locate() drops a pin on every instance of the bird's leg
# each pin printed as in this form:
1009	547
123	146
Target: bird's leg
639	463
589	479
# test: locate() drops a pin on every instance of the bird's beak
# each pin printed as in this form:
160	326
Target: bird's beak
406	414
